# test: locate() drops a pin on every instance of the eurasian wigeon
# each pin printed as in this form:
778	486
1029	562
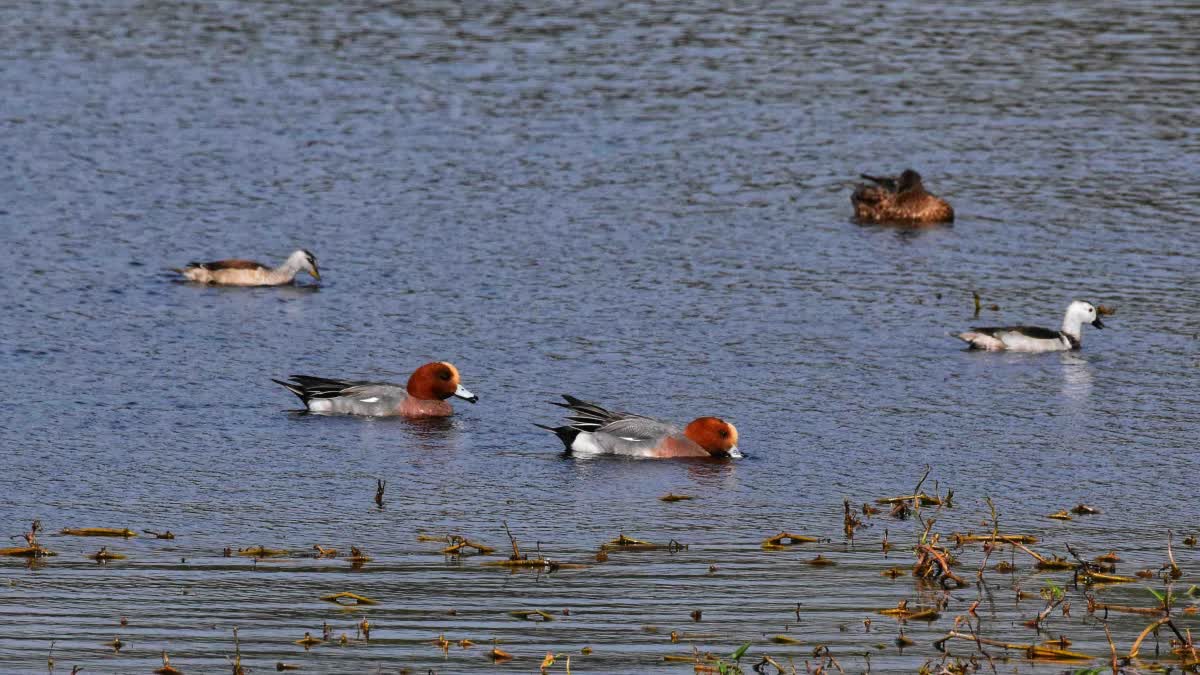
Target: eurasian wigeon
902	199
236	272
424	396
593	430
1034	339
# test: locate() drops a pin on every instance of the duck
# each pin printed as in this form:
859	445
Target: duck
1034	339
236	272
902	199
595	430
425	394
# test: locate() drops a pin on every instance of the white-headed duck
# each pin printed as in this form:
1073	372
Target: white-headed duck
1033	338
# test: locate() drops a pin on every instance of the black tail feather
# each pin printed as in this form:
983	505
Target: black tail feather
307	387
565	434
296	389
587	416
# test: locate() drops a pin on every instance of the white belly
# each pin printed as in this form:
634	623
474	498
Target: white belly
1019	342
585	444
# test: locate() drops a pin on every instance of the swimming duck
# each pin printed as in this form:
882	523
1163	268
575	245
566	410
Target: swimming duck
236	272
1034	339
593	430
902	199
424	396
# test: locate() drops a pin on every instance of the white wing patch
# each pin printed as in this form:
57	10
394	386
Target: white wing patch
373	399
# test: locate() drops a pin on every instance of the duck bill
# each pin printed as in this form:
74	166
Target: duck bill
315	273
465	395
1098	323
734	453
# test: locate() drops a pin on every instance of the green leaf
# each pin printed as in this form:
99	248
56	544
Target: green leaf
1159	596
740	652
1054	591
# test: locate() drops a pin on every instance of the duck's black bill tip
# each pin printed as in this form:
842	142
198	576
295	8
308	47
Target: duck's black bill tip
1098	323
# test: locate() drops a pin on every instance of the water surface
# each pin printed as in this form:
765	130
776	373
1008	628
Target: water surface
640	204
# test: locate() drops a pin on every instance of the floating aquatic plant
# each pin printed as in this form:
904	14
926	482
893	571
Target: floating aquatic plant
124	532
347	598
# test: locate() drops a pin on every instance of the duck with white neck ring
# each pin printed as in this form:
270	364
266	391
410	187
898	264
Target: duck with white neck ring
1034	339
237	272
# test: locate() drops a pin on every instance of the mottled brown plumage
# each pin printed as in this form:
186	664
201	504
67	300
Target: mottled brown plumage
233	264
902	199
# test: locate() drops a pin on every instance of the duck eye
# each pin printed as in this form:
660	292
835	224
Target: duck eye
445	375
724	433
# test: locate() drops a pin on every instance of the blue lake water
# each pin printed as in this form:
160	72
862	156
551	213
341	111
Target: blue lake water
641	204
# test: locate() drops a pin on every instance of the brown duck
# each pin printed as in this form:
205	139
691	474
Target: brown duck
902	199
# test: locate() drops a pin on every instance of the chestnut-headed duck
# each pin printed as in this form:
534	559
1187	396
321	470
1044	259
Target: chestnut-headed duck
236	272
1034	339
424	396
902	199
594	430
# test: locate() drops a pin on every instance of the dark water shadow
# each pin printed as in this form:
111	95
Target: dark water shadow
904	231
293	289
419	424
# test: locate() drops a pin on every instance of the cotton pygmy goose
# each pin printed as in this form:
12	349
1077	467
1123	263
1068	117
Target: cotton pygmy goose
1033	338
593	430
235	272
902	199
424	396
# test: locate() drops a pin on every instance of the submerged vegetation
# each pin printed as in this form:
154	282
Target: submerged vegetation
961	602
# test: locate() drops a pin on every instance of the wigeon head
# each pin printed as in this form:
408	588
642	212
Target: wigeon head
718	437
437	382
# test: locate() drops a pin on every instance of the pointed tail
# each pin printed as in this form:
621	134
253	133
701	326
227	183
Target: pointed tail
295	389
565	434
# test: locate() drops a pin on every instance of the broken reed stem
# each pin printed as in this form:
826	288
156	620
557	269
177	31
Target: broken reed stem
917	502
1137	644
933	564
1184	640
849	521
1093	606
921	482
1175	571
978	641
237	654
516	551
1041	616
987	550
1083	564
1031	650
1112	646
1036	557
